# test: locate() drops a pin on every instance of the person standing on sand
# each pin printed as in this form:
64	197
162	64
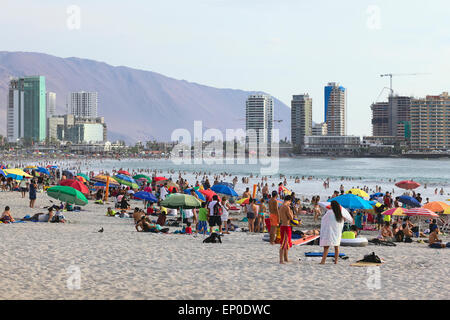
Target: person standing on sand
286	216
274	217
32	193
331	230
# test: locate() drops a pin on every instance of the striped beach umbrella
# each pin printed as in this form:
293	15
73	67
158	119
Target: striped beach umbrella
421	212
395	212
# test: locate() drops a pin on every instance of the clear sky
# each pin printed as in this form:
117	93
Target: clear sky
282	47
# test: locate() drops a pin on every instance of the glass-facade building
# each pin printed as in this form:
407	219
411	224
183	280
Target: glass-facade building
26	110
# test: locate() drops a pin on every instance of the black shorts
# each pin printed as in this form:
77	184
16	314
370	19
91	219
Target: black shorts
215	221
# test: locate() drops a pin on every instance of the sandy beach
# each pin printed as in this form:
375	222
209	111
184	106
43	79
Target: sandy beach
39	259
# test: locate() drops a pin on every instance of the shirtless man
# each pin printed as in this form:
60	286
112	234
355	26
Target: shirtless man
246	194
274	217
434	241
286	216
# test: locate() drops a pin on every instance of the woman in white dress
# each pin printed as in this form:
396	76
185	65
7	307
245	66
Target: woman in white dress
331	229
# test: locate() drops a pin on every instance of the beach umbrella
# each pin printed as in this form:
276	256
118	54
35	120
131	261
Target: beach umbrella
126	180
80	178
228	184
436	206
358	192
180	200
102	178
124	172
15	174
68	174
223	189
142	176
159	179
208	193
172	188
75	184
422	212
67	194
407	184
351	201
241	201
447	211
103	184
43	170
198	193
410	201
147	196
85	176
30	167
377	195
395	212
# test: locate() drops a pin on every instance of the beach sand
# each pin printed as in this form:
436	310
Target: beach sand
38	260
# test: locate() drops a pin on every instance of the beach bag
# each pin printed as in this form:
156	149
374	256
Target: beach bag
217	209
408	240
373	258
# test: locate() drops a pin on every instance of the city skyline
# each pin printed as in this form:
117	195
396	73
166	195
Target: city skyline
152	38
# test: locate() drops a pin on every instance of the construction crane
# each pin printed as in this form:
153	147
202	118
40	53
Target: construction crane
390	75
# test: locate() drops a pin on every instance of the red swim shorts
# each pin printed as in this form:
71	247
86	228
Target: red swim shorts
286	237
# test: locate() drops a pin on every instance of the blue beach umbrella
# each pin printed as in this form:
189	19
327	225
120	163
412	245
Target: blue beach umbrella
43	170
200	195
223	189
227	184
351	201
147	196
409	201
376	195
68	174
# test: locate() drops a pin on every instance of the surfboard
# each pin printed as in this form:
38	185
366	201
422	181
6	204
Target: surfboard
305	240
320	254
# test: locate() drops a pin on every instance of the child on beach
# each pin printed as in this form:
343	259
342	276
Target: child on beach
188	229
6	216
202	219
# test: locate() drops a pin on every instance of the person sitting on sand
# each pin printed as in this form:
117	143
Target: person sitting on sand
110	212
6	216
41	217
144	225
386	232
137	214
433	240
188	229
124	203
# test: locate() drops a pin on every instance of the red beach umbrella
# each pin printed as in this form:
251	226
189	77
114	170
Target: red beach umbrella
159	178
124	172
75	184
208	193
423	212
407	184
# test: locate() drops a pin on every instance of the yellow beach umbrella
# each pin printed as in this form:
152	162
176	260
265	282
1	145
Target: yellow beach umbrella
358	192
18	172
241	200
30	167
447	211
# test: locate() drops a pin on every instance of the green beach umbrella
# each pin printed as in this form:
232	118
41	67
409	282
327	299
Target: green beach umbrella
84	176
179	200
126	181
140	176
67	194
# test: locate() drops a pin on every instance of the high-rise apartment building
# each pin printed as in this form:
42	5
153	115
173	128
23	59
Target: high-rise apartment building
82	104
26	110
259	116
335	109
301	119
319	129
399	119
50	102
430	123
380	119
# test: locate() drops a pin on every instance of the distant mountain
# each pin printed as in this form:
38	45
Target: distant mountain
137	105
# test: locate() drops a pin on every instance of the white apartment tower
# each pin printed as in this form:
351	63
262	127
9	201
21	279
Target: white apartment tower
50	101
259	116
82	104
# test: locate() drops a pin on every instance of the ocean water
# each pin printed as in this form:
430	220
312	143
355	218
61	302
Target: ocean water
430	171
